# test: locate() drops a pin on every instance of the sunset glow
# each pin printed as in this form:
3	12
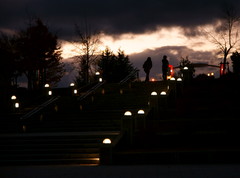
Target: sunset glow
136	43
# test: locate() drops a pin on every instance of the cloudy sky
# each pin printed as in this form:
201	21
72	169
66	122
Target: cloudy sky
141	28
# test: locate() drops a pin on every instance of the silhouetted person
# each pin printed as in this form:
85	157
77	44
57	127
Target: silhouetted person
147	67
165	64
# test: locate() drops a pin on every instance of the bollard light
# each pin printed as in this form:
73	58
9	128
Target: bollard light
163	93
172	78
97	73
127	113
13	97
72	84
46	85
100	80
185	68
16	105
75	91
154	93
179	79
50	93
141	112
107	141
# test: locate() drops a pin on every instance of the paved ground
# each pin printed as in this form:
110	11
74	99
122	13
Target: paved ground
149	171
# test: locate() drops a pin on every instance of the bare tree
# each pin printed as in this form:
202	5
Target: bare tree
225	35
87	46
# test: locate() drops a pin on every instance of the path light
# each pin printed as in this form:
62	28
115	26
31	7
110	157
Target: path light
107	141
100	79
13	97
179	79
185	68
75	91
141	111
127	113
163	93
154	93
16	105
172	78
50	93
97	73
72	84
46	85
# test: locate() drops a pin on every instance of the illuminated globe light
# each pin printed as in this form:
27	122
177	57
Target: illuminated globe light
163	93
100	79
17	105
72	84
154	93
97	73
172	78
49	93
141	111
46	85
179	79
185	68
153	79
13	97
107	141
127	113
212	74
75	91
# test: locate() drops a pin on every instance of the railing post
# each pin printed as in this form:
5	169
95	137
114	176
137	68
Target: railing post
154	104
106	152
127	125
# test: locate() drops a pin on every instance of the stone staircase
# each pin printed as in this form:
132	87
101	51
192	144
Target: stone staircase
71	131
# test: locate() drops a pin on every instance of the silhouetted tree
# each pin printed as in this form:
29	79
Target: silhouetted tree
235	57
86	44
39	55
8	68
225	35
114	68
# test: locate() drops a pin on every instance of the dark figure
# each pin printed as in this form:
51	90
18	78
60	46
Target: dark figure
147	67
165	64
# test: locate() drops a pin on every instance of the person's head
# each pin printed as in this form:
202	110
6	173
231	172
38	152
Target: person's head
149	58
164	57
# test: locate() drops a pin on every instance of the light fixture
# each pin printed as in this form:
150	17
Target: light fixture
154	93
72	84
97	73
163	93
75	91
141	111
50	93
127	113
179	79
16	105
100	80
13	97
46	85
107	141
172	78
185	68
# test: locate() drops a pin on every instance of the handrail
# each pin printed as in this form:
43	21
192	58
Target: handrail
134	72
39	108
94	88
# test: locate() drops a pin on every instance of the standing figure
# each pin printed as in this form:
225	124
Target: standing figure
165	64
147	67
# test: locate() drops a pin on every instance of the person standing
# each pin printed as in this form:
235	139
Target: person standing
165	64
147	67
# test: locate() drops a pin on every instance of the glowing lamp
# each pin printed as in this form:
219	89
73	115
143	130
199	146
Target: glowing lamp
141	111
100	80
107	141
127	113
179	79
172	78
16	105
72	84
154	93
185	68
75	91
46	85
212	74
97	73
163	93
13	97
49	93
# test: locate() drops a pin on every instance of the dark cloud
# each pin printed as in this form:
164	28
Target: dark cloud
110	16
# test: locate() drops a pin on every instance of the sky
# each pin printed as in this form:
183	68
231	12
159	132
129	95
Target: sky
140	28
